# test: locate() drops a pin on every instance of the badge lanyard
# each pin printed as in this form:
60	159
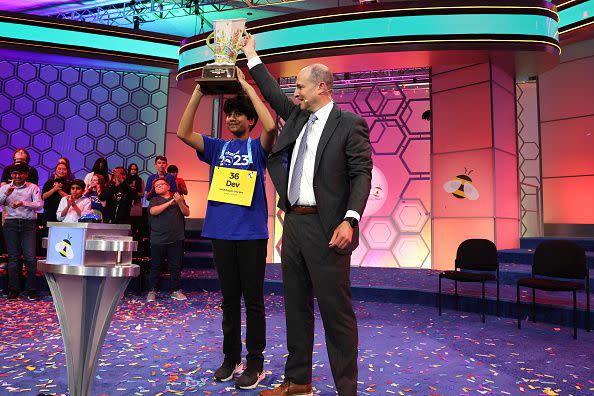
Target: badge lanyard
231	185
249	150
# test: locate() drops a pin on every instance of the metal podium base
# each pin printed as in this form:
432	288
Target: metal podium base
85	299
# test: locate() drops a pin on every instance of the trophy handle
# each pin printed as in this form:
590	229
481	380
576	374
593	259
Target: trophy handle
208	43
243	35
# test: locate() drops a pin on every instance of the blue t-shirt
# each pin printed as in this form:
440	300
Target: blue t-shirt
236	222
95	201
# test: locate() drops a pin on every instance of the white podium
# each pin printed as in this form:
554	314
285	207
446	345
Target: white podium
87	269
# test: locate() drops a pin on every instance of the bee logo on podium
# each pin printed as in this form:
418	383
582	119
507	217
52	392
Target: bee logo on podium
64	248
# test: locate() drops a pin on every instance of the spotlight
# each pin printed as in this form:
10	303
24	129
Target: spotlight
136	23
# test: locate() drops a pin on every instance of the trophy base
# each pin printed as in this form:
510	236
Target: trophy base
219	79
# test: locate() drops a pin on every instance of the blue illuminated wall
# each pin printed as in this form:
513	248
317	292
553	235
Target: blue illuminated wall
81	113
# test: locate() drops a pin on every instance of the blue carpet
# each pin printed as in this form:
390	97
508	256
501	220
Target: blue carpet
172	348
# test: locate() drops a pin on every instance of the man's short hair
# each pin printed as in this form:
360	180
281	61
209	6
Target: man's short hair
23	168
321	73
160	157
241	104
78	182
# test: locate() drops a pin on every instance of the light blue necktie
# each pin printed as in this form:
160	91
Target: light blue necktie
298	166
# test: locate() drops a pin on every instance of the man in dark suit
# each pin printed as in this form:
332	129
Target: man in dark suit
321	168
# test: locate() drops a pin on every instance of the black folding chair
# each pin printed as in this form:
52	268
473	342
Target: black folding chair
558	266
476	261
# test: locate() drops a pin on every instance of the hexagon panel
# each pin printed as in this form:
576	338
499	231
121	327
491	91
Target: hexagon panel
56	110
410	251
410	216
380	233
529	165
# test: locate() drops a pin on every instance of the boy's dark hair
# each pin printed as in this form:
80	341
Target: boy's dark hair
22	168
172	169
79	183
241	104
160	157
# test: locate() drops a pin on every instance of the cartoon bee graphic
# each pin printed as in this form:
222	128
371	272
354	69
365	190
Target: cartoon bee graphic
64	247
461	187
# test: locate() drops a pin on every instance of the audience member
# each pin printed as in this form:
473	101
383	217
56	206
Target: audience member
138	222
117	197
99	167
136	185
22	200
161	166
65	161
57	187
21	156
167	211
74	205
93	190
179	182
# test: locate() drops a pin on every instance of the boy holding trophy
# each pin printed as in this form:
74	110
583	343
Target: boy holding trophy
237	222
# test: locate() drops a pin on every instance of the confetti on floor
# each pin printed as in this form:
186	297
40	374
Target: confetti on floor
172	348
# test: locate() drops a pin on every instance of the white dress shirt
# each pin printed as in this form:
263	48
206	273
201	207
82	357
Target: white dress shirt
306	191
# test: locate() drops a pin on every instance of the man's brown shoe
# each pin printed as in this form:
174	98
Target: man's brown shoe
288	388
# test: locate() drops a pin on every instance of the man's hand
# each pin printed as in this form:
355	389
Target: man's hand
9	190
249	46
342	237
16	204
71	200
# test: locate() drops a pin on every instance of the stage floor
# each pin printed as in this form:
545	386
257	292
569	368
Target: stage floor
172	348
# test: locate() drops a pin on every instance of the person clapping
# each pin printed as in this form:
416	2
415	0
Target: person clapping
117	197
167	211
73	206
56	188
93	190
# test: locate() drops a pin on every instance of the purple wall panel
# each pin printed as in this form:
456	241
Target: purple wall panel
81	113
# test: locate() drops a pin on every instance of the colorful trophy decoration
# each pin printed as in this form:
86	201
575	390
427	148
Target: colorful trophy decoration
219	77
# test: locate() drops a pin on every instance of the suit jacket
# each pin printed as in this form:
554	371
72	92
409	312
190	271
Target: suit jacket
342	169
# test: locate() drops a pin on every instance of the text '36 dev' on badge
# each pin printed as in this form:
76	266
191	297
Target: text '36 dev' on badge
233	186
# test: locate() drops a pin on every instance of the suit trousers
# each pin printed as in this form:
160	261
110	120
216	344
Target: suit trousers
310	268
241	266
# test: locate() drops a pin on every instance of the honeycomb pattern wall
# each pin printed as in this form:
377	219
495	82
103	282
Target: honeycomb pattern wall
82	114
529	159
395	230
